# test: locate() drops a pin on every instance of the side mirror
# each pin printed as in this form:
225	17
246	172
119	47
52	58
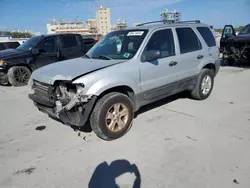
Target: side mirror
35	51
151	55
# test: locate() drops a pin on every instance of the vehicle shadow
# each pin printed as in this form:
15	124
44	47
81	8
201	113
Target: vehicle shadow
162	102
109	176
87	128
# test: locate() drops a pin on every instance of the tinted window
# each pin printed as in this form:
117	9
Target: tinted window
12	45
228	31
2	47
163	41
69	41
48	46
207	36
27	45
188	40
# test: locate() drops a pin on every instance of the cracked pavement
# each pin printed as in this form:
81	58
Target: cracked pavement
172	143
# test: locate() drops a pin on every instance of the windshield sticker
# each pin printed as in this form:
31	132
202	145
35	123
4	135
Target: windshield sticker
135	33
126	55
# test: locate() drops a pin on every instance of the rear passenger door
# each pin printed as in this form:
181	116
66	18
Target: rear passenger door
158	77
70	47
190	54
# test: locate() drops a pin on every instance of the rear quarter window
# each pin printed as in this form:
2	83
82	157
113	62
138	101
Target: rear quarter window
207	36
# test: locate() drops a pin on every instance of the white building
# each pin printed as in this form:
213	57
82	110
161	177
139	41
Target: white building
103	20
62	26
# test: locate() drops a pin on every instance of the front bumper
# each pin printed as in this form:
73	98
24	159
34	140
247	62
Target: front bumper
3	76
74	116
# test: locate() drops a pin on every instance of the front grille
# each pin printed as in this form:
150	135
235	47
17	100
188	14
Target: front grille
44	91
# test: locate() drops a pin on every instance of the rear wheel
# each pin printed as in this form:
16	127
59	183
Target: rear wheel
204	85
112	116
19	75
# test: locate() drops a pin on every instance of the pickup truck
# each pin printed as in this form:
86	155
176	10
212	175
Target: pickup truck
235	48
16	65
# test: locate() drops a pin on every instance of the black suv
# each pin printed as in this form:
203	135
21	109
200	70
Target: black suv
235	48
16	65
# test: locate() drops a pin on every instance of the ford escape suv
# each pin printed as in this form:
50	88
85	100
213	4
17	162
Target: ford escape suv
125	70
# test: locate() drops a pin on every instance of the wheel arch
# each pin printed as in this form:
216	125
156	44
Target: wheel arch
124	89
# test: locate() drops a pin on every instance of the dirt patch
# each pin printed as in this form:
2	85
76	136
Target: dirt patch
26	171
40	128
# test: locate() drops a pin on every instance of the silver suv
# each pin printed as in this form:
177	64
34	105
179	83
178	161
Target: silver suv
126	70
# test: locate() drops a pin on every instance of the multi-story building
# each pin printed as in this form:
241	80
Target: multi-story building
92	25
171	16
120	24
103	20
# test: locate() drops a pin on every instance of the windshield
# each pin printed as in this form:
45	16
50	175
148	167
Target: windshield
122	44
245	30
27	45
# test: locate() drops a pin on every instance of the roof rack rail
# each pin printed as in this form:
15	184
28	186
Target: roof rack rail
146	23
189	21
166	22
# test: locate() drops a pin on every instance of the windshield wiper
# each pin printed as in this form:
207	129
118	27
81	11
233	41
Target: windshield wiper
103	57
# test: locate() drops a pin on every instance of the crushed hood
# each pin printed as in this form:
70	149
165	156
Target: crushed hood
70	69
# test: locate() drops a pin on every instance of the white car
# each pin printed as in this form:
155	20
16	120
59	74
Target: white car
9	44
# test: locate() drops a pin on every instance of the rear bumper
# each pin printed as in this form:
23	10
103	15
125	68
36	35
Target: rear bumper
217	66
74	116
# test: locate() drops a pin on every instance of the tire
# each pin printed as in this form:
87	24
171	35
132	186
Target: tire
198	93
19	75
99	120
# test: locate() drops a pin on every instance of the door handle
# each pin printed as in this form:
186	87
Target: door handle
200	56
172	63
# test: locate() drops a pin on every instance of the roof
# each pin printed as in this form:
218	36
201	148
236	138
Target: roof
152	26
56	34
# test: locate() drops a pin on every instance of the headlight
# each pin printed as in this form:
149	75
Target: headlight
30	83
79	88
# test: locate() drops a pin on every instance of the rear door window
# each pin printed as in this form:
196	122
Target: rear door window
207	36
69	41
188	40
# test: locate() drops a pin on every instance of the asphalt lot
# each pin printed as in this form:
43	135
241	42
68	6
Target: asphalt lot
182	143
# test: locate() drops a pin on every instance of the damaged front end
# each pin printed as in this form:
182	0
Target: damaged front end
237	50
64	101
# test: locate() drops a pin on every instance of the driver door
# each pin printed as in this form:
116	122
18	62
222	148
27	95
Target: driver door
228	32
48	52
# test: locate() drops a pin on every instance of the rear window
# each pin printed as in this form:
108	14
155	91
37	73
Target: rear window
207	36
69	41
188	40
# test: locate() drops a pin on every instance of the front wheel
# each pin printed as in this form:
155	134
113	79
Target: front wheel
19	75
112	116
204	85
